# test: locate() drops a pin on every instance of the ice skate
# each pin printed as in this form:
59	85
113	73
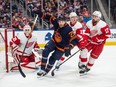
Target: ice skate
41	73
82	69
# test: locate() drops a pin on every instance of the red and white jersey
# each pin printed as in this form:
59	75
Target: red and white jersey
100	29
77	27
32	42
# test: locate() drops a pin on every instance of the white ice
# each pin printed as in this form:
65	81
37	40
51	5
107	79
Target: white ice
102	74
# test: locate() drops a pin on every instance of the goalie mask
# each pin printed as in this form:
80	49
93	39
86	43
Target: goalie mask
27	30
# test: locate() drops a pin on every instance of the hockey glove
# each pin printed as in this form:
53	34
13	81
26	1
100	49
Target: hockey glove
83	39
82	44
68	51
97	39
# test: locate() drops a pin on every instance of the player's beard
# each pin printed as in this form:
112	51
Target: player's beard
61	24
94	21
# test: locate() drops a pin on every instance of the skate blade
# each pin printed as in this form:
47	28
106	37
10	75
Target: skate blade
84	74
40	76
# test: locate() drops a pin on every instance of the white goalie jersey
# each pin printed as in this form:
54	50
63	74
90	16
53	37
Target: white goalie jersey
19	43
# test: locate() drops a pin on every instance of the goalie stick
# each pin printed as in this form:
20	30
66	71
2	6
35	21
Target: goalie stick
52	72
19	66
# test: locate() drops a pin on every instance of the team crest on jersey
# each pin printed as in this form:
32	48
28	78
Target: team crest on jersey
29	44
57	37
93	32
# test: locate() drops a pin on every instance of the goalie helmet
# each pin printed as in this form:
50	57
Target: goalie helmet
97	13
72	14
27	30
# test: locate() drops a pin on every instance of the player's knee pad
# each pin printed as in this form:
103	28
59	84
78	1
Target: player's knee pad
91	60
83	53
94	56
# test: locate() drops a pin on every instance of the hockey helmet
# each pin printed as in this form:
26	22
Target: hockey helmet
72	14
97	13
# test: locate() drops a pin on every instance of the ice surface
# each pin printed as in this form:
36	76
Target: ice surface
102	74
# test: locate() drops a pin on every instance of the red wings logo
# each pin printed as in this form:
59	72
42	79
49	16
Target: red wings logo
57	37
29	44
93	32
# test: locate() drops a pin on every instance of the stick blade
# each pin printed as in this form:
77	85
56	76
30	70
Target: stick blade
20	70
52	73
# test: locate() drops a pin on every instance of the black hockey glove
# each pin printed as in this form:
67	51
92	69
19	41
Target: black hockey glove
68	51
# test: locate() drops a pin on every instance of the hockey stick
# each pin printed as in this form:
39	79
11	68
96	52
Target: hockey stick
52	73
19	66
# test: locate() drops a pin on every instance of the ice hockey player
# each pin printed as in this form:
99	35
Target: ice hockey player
58	45
97	32
18	43
78	30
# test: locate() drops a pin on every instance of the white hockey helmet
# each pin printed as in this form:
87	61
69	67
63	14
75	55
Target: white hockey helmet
27	29
97	13
72	14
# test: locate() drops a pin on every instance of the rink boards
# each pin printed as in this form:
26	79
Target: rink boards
43	36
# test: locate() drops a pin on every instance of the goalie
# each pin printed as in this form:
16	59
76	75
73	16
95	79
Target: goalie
18	43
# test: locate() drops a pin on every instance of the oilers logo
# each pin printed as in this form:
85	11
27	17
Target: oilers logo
57	37
48	36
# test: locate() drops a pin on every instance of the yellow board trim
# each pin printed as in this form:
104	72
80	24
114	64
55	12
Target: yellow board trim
41	45
106	44
110	43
